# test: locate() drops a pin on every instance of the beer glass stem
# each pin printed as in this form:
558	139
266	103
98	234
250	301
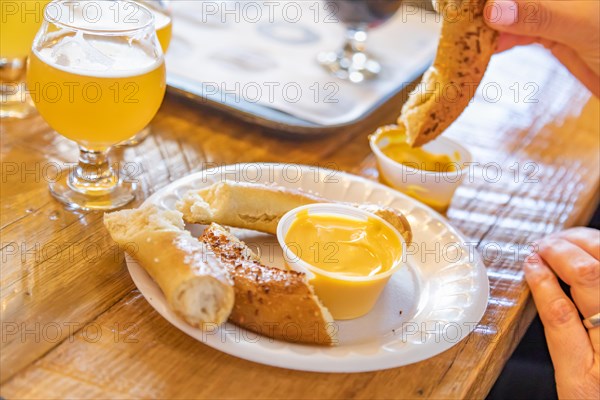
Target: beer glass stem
93	175
356	39
351	62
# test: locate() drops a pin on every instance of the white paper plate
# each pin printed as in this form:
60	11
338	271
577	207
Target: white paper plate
427	307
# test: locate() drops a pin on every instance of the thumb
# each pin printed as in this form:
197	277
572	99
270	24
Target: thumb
556	20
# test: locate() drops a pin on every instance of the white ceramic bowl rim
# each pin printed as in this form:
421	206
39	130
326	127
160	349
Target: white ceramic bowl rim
377	150
346	211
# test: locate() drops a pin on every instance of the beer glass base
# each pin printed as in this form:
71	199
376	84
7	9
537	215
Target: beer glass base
353	67
121	195
351	62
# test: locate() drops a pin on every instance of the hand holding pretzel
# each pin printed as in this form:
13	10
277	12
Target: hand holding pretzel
568	28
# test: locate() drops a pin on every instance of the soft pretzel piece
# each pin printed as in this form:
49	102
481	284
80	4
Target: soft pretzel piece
189	274
273	302
464	51
260	207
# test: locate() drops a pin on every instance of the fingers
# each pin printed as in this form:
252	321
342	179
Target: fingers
586	238
507	41
559	25
563	21
568	341
571	60
577	268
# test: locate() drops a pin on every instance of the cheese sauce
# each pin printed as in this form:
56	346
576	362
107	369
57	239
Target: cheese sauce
420	158
342	245
417	157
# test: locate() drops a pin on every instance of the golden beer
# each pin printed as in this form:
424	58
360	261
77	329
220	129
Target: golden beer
19	22
164	28
163	23
92	106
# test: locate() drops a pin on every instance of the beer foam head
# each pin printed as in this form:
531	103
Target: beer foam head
100	57
109	47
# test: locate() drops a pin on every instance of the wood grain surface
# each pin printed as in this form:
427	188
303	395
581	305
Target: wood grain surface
73	324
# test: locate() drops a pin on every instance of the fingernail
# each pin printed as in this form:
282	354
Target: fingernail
502	12
531	263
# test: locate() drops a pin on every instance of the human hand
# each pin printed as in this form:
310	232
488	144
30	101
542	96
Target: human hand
570	29
574	256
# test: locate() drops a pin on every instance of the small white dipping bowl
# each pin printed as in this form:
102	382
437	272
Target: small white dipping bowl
346	297
432	188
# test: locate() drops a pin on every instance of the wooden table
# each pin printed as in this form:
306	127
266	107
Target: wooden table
73	324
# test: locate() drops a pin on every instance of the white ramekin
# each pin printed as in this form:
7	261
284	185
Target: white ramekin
432	188
337	291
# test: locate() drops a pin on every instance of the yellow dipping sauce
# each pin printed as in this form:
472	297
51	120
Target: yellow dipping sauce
351	257
343	245
416	157
419	158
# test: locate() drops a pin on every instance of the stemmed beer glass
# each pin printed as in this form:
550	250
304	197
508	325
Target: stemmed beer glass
352	62
97	76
